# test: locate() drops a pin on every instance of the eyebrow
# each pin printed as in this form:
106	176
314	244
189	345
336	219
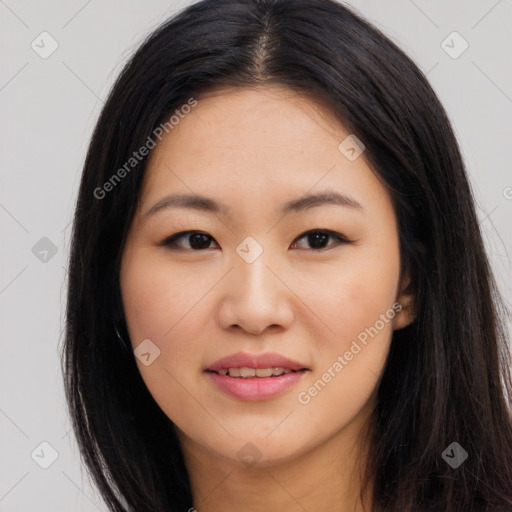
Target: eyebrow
206	204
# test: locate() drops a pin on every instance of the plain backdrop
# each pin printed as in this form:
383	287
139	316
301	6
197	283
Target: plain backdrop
49	107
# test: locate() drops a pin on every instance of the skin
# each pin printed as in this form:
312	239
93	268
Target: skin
253	150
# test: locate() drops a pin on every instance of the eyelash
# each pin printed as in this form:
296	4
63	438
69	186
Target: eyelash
170	241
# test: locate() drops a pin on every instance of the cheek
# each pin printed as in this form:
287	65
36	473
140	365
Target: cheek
356	304
162	304
351	297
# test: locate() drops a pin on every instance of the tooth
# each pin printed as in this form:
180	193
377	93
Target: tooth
247	372
263	372
234	372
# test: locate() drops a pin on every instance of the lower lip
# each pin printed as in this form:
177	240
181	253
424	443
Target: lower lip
255	388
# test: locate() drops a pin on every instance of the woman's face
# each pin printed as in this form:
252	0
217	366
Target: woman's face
278	279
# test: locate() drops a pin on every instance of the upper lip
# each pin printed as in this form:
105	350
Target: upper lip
244	360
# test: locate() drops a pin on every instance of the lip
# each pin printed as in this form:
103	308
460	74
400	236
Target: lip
255	388
267	360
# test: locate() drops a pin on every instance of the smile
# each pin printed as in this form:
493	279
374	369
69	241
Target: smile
254	377
245	372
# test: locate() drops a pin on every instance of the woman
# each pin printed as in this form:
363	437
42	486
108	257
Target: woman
279	297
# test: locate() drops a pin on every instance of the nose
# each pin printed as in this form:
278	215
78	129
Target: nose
254	297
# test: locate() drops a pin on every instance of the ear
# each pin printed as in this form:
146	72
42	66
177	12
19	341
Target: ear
407	300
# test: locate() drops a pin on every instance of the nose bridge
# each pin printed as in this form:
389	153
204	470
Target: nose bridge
253	272
253	279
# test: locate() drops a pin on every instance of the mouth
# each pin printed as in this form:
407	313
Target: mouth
260	373
255	377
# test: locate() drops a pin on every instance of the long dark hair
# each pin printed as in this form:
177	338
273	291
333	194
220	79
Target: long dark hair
447	376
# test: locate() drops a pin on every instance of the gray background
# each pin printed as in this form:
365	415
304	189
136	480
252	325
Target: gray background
49	107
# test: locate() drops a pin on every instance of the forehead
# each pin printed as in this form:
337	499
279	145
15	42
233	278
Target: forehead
251	126
264	144
274	115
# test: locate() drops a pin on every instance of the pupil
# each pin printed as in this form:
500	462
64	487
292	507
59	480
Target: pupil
203	243
316	239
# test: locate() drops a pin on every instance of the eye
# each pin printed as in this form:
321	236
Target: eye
198	240
318	237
